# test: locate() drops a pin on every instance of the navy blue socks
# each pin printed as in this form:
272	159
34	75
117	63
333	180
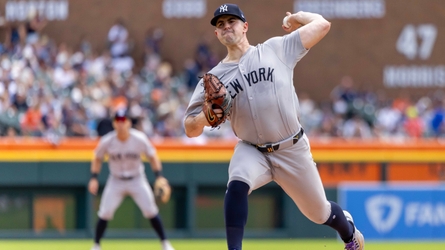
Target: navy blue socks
156	223
100	230
338	221
235	212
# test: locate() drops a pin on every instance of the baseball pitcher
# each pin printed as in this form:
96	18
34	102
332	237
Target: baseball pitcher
260	100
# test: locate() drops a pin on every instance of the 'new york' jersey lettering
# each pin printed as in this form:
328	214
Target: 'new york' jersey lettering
236	86
259	75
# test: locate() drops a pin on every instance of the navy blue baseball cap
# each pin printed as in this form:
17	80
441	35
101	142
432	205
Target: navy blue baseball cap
227	9
121	115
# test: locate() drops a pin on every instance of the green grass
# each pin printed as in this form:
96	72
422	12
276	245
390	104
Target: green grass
219	244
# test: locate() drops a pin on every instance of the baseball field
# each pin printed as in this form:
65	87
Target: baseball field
208	244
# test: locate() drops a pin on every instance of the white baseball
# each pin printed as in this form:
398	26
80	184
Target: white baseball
285	22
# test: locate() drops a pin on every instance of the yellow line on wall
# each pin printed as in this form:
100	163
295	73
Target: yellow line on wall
225	155
46	155
86	155
379	156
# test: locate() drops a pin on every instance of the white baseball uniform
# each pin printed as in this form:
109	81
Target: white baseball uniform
265	111
127	174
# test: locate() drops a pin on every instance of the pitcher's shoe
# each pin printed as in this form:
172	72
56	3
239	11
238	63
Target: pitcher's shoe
358	241
166	245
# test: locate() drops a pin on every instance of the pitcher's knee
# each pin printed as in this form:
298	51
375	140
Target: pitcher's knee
318	219
319	215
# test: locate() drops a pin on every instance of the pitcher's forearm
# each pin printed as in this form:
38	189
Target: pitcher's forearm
194	125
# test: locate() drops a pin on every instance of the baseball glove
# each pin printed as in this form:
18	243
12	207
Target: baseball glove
162	189
216	97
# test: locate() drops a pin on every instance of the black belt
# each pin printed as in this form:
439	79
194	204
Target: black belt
126	178
269	148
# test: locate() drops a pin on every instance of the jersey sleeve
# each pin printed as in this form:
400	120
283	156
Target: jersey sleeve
101	149
289	48
149	149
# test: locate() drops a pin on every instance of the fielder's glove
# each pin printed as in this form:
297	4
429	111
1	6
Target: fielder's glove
162	190
216	97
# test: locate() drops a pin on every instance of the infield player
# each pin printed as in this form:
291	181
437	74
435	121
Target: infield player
264	115
124	147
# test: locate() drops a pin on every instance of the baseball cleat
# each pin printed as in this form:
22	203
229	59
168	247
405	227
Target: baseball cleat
96	247
358	241
166	245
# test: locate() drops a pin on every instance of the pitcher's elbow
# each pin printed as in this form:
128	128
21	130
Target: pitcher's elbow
326	26
191	133
188	134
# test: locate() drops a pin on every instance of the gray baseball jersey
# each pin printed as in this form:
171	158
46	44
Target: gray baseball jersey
127	175
265	103
265	110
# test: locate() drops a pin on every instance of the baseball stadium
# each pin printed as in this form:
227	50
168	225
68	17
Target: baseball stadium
205	124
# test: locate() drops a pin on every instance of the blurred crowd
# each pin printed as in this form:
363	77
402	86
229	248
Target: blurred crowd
351	113
53	90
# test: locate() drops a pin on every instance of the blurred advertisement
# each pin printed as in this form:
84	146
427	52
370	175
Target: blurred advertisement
396	211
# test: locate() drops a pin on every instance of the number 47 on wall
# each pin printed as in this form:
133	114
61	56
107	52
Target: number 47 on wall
417	41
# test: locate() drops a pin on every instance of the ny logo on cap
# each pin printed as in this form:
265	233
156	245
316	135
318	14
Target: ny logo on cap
223	8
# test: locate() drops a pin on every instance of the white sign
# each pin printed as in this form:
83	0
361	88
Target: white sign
407	42
416	76
184	8
343	9
51	9
415	42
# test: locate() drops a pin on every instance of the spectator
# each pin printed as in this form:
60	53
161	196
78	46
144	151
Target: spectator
343	97
204	56
118	39
34	25
310	116
191	73
11	132
388	119
31	124
123	64
356	127
9	119
15	36
20	102
413	124
153	40
105	125
438	119
65	76
78	123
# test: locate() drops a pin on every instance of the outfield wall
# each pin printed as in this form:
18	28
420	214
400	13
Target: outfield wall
43	187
